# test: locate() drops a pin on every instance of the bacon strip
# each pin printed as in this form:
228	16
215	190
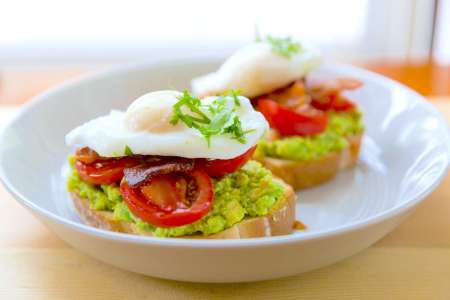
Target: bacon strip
86	155
291	96
318	88
139	175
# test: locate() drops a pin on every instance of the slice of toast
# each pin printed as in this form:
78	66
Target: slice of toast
279	221
303	174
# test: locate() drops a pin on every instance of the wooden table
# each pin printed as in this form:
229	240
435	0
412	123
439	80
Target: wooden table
413	262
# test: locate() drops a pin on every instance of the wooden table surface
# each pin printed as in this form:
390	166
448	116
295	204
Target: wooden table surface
412	262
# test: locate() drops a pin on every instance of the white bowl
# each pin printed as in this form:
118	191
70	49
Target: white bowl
404	156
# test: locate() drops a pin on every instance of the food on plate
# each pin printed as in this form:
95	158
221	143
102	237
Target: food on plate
316	130
174	166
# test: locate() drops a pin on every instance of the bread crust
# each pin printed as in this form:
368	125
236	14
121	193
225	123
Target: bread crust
304	174
279	221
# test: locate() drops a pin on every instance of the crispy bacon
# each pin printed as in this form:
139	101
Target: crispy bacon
140	174
327	93
320	93
292	96
86	155
322	88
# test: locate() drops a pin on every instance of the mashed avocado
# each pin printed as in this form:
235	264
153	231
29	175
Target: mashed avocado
333	139
249	192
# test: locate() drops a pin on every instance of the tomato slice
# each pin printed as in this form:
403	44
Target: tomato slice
305	120
105	171
221	167
342	104
161	192
164	202
333	102
327	93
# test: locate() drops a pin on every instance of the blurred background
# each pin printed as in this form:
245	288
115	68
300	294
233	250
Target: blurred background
45	42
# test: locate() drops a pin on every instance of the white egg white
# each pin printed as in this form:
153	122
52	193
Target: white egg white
109	135
256	70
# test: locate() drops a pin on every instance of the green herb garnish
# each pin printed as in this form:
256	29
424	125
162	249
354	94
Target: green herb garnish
193	104
128	151
285	47
234	94
210	119
235	129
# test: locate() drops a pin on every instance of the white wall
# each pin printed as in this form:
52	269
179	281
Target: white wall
442	45
46	31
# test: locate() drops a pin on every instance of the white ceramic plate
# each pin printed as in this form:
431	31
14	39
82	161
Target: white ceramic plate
404	156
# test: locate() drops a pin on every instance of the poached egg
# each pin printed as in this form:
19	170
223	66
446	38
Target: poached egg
145	128
255	70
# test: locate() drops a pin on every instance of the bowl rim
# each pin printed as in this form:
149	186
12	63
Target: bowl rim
202	243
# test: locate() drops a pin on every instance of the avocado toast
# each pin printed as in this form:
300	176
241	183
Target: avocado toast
205	187
316	130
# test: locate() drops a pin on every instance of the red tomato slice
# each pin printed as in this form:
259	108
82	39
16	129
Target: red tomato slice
303	121
343	104
157	205
162	192
333	102
327	93
221	167
105	171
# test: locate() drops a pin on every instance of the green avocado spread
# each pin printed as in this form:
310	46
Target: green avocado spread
248	192
340	125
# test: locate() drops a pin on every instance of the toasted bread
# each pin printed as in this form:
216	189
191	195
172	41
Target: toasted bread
303	174
279	221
